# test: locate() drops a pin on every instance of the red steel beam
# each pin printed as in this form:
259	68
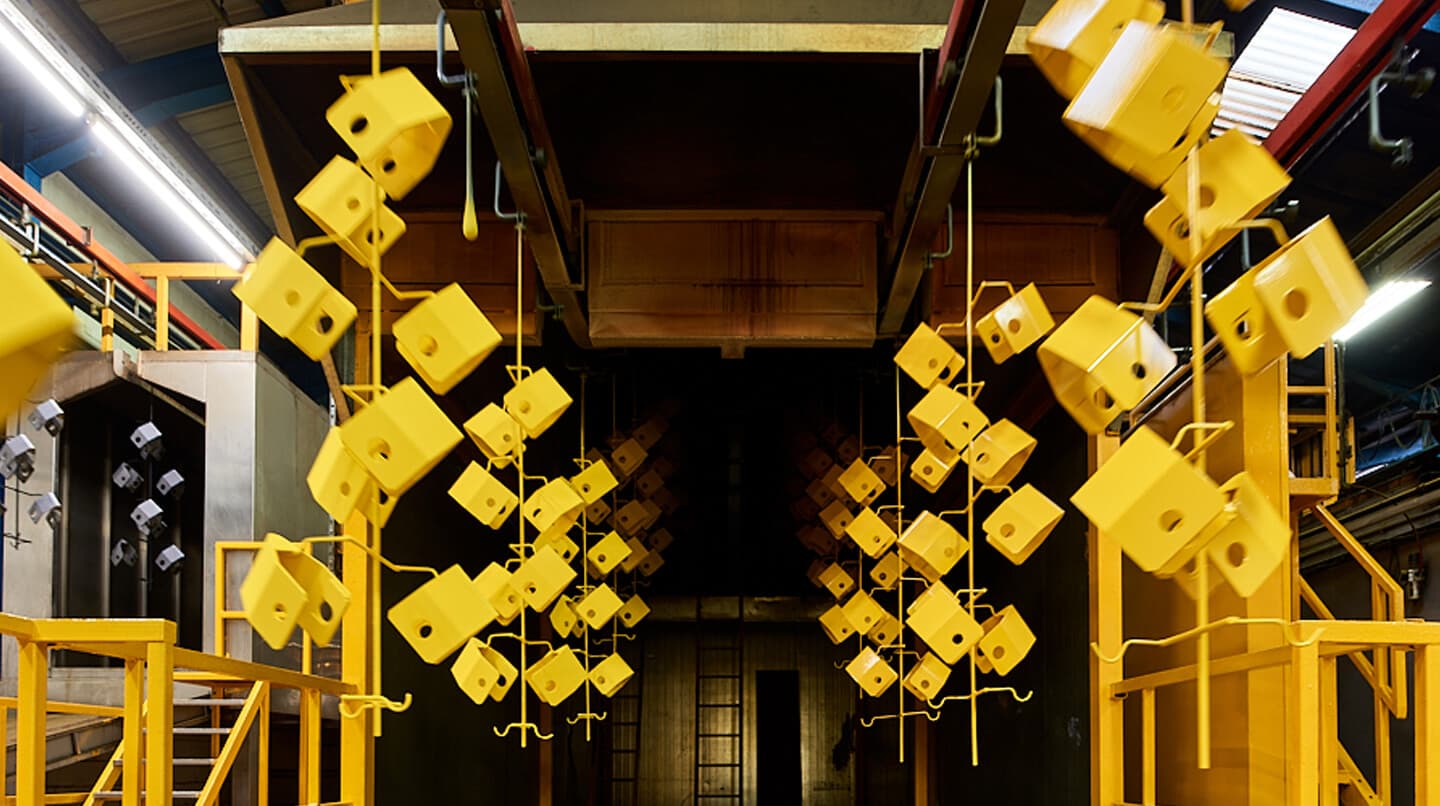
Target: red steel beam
1366	55
14	186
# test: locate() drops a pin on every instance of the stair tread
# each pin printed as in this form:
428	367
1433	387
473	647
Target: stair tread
212	702
189	794
178	762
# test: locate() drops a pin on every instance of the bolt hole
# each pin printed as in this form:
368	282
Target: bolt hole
352	203
1296	303
326	611
425	630
1007	529
344	488
998	652
1103	399
359	125
1236	554
1171	519
280	611
292	297
429	346
388	166
324	324
1207	196
1242	329
380	449
1138	370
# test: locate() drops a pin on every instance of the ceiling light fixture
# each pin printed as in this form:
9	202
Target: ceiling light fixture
76	89
1382	301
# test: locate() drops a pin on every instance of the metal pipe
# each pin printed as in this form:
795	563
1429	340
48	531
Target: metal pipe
445	78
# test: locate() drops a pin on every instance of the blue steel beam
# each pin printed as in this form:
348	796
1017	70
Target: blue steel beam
1367	6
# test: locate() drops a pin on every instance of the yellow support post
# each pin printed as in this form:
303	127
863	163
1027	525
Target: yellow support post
162	313
1107	713
309	767
249	329
30	724
1427	725
357	740
132	747
107	329
1329	737
262	784
1147	733
160	722
1304	755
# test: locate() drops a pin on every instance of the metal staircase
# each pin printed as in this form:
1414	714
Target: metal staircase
719	707
203	753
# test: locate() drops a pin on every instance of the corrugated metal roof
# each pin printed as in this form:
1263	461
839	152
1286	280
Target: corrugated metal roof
147	29
1286	55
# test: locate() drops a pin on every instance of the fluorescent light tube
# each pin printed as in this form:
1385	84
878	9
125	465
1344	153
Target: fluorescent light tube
1382	301
15	35
144	171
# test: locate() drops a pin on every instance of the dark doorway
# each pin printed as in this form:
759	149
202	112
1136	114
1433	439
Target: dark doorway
777	738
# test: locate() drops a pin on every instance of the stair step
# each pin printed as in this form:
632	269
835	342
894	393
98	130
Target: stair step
178	794
201	731
210	702
178	762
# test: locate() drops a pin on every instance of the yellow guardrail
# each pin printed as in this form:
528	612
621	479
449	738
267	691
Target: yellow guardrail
153	664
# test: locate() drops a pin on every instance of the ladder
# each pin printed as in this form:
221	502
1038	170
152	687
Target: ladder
719	707
625	738
199	774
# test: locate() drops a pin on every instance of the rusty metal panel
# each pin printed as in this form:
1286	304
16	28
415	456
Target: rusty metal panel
1068	258
746	278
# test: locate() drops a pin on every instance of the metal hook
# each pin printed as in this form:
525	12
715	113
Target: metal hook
586	717
1201	630
445	78
516	216
524	726
365	702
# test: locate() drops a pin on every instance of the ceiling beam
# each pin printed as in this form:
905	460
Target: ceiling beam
976	43
505	94
1367	54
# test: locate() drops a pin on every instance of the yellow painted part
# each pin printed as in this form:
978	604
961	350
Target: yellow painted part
938	619
556	676
817	539
631	518
1073	37
1102	361
946	420
496	585
338	482
35	328
848	450
555	503
445	337
611	675
886	572
1007	640
557	537
871	672
400	437
536	402
837	580
1243	326
1249	548
637	555
634	611
831	481
474	672
594	482
926	678
650	513
861	483
324	593
1021	523
932	546
1310	287
627	457
661	539
649	483
930	470
440	615
1152	502
836	518
652	563
609	552
870	533
999	453
496	434
816	463
648	433
599	606
1238	180
863	612
542	578
928	359
507	674
563	617
885	631
271	598
598	512
1144	95
291	297
393	124
485	497
341	200
819	491
836	626
1015	324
